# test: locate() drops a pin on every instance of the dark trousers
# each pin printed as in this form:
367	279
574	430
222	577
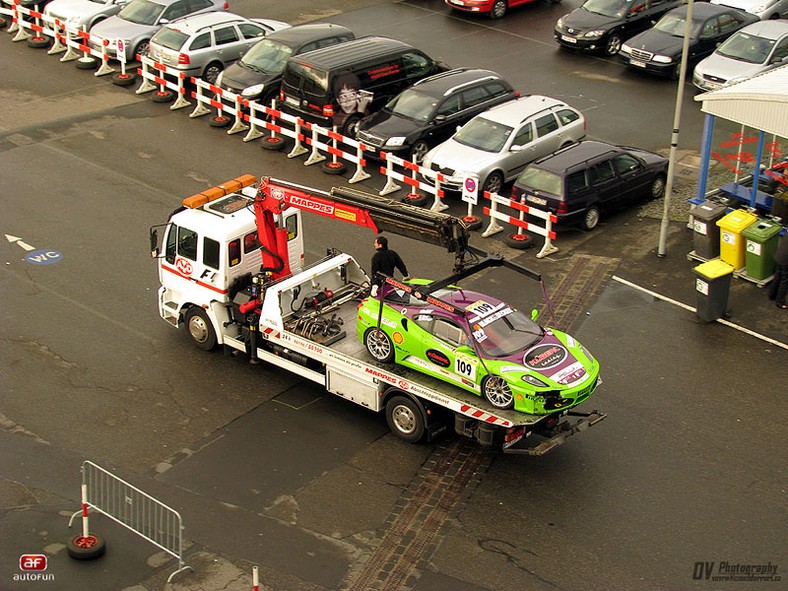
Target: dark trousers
779	285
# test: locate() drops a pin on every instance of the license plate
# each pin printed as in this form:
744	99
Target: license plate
637	63
568	39
537	200
291	101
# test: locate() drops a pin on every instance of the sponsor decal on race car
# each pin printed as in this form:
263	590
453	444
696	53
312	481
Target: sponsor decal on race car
544	357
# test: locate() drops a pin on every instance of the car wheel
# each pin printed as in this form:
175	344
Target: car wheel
675	73
658	187
590	219
497	392
493	182
498	9
85	547
404	418
200	328
350	128
613	44
379	345
212	72
142	48
418	151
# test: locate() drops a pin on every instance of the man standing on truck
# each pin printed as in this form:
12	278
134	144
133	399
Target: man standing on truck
385	261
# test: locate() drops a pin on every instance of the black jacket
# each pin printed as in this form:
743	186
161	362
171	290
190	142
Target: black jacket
385	261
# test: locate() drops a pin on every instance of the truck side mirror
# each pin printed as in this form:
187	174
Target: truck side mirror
154	244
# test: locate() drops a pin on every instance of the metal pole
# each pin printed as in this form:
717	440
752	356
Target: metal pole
674	139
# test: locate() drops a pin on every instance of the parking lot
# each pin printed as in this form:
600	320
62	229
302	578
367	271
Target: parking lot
267	469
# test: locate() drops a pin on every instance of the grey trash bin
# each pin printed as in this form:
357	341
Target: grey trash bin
706	233
712	285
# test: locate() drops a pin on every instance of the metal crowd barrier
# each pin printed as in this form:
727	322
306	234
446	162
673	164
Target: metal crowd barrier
134	509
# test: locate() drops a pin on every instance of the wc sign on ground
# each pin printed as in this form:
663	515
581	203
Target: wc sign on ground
36	256
470	190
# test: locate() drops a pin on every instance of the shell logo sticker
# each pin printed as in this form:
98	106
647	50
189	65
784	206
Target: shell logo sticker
183	266
398	338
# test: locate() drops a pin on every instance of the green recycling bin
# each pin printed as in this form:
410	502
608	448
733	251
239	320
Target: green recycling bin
712	285
761	243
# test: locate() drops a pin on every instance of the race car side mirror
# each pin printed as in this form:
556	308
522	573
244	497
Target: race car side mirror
534	314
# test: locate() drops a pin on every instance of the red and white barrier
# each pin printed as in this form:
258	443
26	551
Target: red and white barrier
333	149
519	221
413	181
152	73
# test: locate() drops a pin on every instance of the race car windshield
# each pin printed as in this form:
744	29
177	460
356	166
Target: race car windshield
507	335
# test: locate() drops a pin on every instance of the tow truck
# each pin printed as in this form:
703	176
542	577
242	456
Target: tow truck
232	273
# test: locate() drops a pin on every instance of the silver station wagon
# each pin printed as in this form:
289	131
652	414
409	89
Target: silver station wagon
204	44
496	145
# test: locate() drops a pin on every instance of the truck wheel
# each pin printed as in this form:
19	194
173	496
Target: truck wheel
379	345
200	328
85	548
497	392
405	419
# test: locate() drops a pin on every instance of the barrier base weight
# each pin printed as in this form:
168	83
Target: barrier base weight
520	241
85	547
334	167
124	79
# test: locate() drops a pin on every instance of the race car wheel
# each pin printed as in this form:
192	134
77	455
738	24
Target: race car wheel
379	345
200	328
404	418
85	547
497	392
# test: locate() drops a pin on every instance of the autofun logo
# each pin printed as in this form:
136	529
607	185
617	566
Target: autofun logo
33	567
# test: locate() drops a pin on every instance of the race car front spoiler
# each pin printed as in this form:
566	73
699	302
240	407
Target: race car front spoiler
539	441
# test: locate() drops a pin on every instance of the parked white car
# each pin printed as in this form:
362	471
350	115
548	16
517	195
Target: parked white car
763	9
83	14
496	145
757	48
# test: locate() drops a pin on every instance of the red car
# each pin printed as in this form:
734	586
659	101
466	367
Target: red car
495	8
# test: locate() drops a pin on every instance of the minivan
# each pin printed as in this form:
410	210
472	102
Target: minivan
583	179
336	86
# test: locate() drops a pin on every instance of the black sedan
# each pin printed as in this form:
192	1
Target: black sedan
601	25
658	50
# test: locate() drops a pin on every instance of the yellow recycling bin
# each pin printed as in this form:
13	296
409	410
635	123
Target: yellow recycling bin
731	241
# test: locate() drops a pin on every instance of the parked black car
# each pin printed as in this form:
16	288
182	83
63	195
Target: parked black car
580	181
658	50
602	25
258	74
429	112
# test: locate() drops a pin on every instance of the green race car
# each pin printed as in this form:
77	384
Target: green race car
480	344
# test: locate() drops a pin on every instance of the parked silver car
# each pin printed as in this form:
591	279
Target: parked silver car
203	44
496	145
83	14
756	48
763	9
136	23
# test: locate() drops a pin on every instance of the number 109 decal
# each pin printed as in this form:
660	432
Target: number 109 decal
465	366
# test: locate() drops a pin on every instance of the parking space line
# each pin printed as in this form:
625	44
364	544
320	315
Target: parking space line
691	309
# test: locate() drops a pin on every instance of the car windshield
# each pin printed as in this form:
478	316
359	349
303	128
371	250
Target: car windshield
413	105
746	48
102	1
268	56
483	134
541	180
142	12
673	24
170	38
507	335
611	8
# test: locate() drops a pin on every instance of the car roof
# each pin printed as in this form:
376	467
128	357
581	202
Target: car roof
769	29
196	22
703	10
351	52
300	34
513	112
575	154
441	84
